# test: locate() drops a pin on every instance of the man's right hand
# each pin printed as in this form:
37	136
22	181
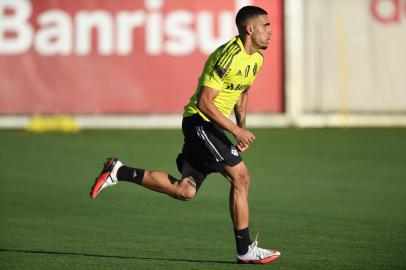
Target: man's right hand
243	137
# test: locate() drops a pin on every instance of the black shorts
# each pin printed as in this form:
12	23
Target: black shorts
206	149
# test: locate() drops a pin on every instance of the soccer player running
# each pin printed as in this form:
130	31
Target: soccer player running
223	86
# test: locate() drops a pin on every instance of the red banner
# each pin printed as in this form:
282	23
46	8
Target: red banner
121	57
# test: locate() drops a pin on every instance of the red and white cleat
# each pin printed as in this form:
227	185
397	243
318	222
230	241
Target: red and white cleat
107	177
257	255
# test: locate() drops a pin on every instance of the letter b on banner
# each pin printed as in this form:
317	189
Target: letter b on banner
15	32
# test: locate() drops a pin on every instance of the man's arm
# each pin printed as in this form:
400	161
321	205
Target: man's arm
205	104
240	109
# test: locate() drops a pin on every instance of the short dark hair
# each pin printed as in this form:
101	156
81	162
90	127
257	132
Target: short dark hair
247	13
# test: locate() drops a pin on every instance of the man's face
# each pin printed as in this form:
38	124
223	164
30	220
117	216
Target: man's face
261	31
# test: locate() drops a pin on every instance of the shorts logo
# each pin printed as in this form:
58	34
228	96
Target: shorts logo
234	151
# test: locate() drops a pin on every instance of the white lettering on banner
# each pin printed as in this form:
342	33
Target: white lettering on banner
126	23
153	27
56	34
182	39
179	32
85	23
22	32
389	11
205	37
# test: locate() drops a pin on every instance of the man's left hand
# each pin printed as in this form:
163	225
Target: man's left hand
242	147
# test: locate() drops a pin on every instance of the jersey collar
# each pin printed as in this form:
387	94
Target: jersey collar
239	41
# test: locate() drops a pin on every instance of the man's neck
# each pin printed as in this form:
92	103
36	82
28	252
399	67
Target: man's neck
248	45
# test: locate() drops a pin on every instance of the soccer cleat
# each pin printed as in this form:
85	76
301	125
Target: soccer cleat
107	177
257	255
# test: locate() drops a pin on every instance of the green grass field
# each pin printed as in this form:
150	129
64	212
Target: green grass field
326	198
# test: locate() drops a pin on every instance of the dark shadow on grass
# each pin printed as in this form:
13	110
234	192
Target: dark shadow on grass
112	256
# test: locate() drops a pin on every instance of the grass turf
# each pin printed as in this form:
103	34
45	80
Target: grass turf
326	198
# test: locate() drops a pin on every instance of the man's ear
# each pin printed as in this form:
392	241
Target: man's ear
249	29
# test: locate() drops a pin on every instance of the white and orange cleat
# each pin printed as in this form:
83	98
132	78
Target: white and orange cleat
107	177
257	255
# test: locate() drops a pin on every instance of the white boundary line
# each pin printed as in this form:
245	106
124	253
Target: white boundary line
158	121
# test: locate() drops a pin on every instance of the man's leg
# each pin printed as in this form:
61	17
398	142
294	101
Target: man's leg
247	251
114	171
164	183
240	181
238	202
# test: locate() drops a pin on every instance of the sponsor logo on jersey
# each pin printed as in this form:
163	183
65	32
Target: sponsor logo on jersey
238	87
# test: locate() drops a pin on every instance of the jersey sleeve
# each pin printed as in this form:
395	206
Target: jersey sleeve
213	82
219	66
212	79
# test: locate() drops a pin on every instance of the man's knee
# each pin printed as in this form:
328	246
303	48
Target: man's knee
241	180
239	176
187	194
187	191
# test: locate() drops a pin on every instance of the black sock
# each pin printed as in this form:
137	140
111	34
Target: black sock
243	240
129	174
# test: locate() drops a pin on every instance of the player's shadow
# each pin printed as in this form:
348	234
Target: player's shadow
112	256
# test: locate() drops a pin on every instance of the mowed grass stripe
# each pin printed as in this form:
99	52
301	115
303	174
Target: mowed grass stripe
327	198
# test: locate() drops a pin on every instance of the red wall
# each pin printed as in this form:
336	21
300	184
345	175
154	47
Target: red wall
46	67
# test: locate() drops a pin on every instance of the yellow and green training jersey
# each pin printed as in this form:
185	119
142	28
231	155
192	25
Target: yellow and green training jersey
230	70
